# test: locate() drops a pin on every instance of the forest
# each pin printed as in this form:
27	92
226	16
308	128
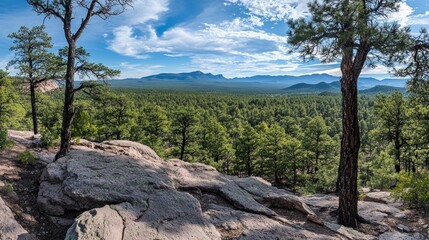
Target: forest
293	141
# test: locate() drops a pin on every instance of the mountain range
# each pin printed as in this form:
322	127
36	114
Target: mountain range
314	83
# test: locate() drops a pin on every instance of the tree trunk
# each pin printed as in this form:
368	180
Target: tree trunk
350	143
276	173
248	165
34	108
183	145
294	172
397	155
68	112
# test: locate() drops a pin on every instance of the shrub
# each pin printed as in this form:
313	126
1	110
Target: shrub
47	139
5	142
323	181
383	172
413	189
27	158
8	188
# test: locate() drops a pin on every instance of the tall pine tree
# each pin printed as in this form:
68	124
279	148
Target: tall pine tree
356	32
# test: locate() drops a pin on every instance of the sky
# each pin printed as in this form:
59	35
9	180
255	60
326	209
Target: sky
236	38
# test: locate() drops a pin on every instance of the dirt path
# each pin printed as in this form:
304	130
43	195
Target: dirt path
23	199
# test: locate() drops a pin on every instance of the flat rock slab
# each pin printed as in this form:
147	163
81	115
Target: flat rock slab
374	212
126	191
380	197
401	236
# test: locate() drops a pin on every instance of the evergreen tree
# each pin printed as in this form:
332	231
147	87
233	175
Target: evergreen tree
350	30
317	142
65	11
294	155
273	141
247	148
34	62
152	127
11	111
391	112
183	131
116	117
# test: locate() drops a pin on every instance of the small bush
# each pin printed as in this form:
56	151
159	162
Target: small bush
47	139
383	172
323	181
8	188
5	142
27	158
413	189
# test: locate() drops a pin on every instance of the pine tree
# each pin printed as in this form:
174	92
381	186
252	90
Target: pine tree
65	11
247	148
34	62
392	116
350	30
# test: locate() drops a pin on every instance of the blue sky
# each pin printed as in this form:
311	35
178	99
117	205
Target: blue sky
235	38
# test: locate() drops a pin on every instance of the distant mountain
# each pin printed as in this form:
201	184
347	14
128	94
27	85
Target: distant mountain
310	79
314	88
334	87
192	76
383	89
199	81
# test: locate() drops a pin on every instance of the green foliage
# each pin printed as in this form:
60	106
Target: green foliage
246	150
318	144
183	133
84	122
338	27
323	181
47	139
8	187
383	173
11	109
151	127
273	138
86	69
50	113
5	142
294	139
116	115
413	189
27	158
32	57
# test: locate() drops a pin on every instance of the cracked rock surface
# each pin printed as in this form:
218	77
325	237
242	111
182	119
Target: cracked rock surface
126	191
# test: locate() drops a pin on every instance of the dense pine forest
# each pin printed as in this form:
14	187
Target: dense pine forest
293	141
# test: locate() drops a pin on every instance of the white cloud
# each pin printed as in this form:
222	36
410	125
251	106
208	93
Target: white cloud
130	70
126	43
420	19
233	66
403	16
378	70
237	37
274	10
146	10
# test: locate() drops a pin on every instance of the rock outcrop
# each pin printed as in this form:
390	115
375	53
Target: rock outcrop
126	191
10	229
